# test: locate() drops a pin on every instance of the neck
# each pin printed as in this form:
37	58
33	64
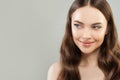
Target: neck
89	59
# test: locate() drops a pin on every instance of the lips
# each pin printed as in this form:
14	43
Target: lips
86	43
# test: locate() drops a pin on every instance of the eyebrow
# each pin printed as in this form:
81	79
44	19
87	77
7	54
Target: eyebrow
97	23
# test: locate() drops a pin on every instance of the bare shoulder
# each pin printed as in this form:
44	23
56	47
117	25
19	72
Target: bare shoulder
54	71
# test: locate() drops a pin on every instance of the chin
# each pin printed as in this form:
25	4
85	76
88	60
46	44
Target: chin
84	52
89	51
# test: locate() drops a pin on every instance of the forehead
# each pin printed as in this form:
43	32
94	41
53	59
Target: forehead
88	14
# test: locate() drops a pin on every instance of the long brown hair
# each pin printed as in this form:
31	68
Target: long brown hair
109	57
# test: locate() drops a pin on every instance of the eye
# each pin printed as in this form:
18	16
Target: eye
77	25
96	26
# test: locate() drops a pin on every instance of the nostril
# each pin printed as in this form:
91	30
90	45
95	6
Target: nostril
86	35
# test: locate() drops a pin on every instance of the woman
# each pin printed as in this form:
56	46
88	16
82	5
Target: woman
90	48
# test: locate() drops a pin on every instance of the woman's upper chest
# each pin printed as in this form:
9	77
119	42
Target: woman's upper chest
91	73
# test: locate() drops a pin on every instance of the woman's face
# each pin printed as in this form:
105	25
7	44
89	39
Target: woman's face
89	27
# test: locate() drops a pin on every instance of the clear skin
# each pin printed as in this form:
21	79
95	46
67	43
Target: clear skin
89	28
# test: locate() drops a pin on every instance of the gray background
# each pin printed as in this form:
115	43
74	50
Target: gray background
30	36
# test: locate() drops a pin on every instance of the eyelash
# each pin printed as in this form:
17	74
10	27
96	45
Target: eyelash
96	27
77	25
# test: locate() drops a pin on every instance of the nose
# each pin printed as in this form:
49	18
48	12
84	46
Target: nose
86	33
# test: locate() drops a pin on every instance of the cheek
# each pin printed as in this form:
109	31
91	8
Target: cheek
75	33
99	37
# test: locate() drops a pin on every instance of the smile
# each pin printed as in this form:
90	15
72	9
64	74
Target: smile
86	43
